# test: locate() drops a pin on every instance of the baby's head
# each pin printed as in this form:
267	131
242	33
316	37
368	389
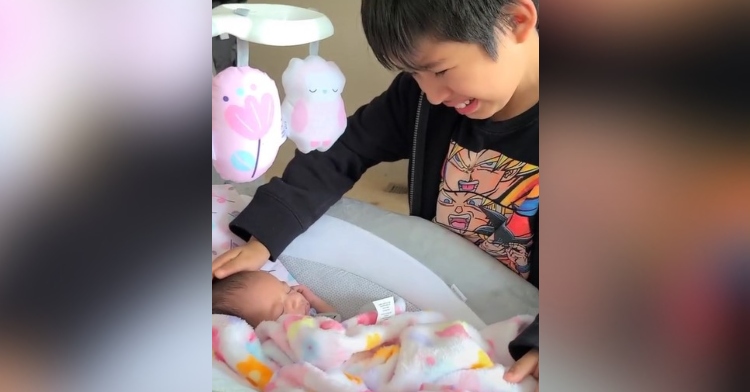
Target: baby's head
255	297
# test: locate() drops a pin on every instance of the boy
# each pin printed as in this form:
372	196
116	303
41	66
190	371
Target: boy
464	111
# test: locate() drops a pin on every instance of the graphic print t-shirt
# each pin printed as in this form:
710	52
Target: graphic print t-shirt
490	187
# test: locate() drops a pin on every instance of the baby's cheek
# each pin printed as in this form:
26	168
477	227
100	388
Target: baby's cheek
299	308
300	303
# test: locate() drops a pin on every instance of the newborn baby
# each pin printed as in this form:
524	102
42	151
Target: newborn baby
259	296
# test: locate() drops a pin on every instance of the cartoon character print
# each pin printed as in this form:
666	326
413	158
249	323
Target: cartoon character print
504	244
487	173
489	198
462	213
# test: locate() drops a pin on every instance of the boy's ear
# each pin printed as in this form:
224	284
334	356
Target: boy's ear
524	18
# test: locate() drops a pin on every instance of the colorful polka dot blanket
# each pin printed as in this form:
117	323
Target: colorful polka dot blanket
412	351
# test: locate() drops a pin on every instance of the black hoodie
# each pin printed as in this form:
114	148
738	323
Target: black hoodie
453	161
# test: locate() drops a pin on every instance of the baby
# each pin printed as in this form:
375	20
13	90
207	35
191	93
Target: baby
259	296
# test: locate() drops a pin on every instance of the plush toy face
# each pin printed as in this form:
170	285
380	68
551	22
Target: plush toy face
313	111
246	124
314	76
322	85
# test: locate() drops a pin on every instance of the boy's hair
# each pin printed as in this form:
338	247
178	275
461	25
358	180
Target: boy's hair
394	27
221	292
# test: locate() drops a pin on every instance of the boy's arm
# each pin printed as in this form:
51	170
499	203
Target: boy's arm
525	341
285	207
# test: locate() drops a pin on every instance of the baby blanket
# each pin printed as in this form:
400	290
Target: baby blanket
226	204
412	351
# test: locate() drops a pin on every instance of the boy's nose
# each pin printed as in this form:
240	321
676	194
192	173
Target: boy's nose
435	91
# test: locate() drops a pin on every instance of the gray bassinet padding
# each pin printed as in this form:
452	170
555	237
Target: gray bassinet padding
493	292
345	291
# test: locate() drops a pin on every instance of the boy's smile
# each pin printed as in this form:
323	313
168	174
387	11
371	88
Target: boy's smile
462	76
467	107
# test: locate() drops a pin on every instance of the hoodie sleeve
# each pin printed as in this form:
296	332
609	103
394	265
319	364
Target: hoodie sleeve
379	131
526	341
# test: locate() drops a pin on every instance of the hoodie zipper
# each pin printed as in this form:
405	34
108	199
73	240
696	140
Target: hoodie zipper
414	153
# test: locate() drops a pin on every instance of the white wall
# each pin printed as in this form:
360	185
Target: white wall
365	78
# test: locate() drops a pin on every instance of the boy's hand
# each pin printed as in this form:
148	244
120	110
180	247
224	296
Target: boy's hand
315	301
528	365
249	257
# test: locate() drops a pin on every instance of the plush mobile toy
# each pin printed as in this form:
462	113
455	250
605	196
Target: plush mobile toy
313	114
249	124
246	124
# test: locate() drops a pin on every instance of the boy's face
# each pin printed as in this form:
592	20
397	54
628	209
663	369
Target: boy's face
457	73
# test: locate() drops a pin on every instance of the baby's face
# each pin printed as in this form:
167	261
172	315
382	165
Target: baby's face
266	298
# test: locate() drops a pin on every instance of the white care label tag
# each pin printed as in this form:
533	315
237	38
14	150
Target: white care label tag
458	292
385	307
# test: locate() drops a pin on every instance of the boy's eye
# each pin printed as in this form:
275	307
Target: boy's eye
441	73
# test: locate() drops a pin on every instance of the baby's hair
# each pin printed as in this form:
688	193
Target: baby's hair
221	292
